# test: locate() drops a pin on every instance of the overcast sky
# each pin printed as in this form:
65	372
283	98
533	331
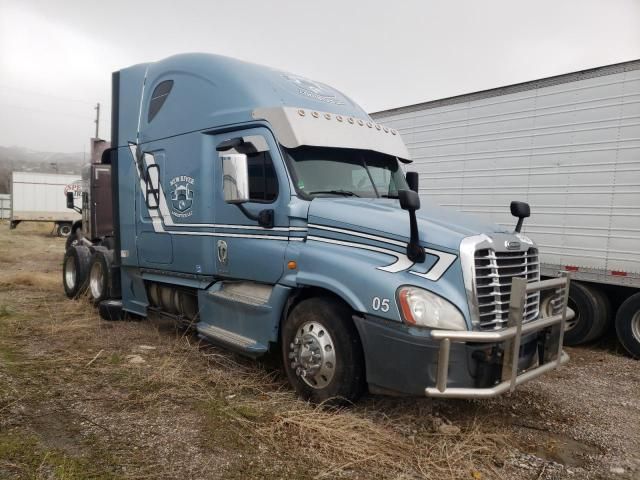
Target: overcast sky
56	56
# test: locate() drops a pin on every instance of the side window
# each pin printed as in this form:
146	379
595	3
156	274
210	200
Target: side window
158	97
263	183
152	187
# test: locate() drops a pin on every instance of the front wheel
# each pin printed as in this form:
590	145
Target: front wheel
322	352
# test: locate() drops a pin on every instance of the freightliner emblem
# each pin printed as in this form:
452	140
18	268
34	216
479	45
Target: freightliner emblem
512	245
222	252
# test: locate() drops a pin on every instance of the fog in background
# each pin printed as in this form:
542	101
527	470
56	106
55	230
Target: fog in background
56	57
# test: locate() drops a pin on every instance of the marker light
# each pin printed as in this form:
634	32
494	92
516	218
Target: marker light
422	308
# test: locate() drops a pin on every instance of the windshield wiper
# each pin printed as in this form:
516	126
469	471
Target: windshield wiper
346	193
390	196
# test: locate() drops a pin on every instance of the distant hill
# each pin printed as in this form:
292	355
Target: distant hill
25	160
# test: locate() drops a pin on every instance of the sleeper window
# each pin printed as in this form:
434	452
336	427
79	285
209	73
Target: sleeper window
158	97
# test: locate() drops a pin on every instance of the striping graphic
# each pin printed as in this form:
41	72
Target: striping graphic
161	218
402	261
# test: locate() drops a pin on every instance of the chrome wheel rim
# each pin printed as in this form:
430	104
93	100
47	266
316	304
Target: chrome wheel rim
313	355
65	230
635	326
95	280
70	273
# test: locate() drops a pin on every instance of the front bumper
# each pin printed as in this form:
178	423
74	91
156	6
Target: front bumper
405	360
550	350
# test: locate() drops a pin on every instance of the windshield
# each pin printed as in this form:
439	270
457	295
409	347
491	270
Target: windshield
322	171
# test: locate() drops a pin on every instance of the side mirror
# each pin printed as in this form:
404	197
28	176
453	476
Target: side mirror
235	174
410	201
229	144
412	180
520	210
70	203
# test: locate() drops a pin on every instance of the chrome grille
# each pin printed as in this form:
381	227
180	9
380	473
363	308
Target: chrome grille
493	274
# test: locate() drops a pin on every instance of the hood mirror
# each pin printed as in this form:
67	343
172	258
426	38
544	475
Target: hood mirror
410	201
520	210
412	180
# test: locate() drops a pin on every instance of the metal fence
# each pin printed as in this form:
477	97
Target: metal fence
5	206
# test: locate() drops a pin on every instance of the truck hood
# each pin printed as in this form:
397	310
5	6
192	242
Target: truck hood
438	226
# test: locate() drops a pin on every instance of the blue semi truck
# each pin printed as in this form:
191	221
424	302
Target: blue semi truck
271	213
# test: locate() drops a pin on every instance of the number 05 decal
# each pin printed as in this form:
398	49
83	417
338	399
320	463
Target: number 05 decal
381	304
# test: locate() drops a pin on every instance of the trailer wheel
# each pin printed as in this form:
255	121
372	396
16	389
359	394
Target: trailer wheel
75	270
604	320
322	353
628	325
63	229
592	311
100	275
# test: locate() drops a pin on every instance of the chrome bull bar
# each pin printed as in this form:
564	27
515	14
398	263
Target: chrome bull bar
552	357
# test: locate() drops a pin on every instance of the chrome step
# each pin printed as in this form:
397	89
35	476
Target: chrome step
230	338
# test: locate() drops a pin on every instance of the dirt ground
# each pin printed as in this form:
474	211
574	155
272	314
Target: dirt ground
85	398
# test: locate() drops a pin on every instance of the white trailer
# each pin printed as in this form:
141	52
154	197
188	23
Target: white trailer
5	206
41	197
568	145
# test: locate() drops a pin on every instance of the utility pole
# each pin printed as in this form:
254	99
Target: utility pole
97	120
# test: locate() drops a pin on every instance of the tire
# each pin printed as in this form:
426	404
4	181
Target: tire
63	229
628	325
76	235
75	271
100	275
604	320
592	312
327	324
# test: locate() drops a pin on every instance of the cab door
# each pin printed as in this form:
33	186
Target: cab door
244	249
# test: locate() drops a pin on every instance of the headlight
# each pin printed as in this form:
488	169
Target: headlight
425	309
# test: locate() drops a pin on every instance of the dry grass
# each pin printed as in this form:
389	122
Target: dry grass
63	363
73	405
40	281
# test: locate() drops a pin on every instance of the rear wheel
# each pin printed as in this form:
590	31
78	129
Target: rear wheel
99	275
592	312
75	271
628	325
322	352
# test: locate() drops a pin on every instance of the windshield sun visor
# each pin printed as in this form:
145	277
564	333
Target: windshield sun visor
295	127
